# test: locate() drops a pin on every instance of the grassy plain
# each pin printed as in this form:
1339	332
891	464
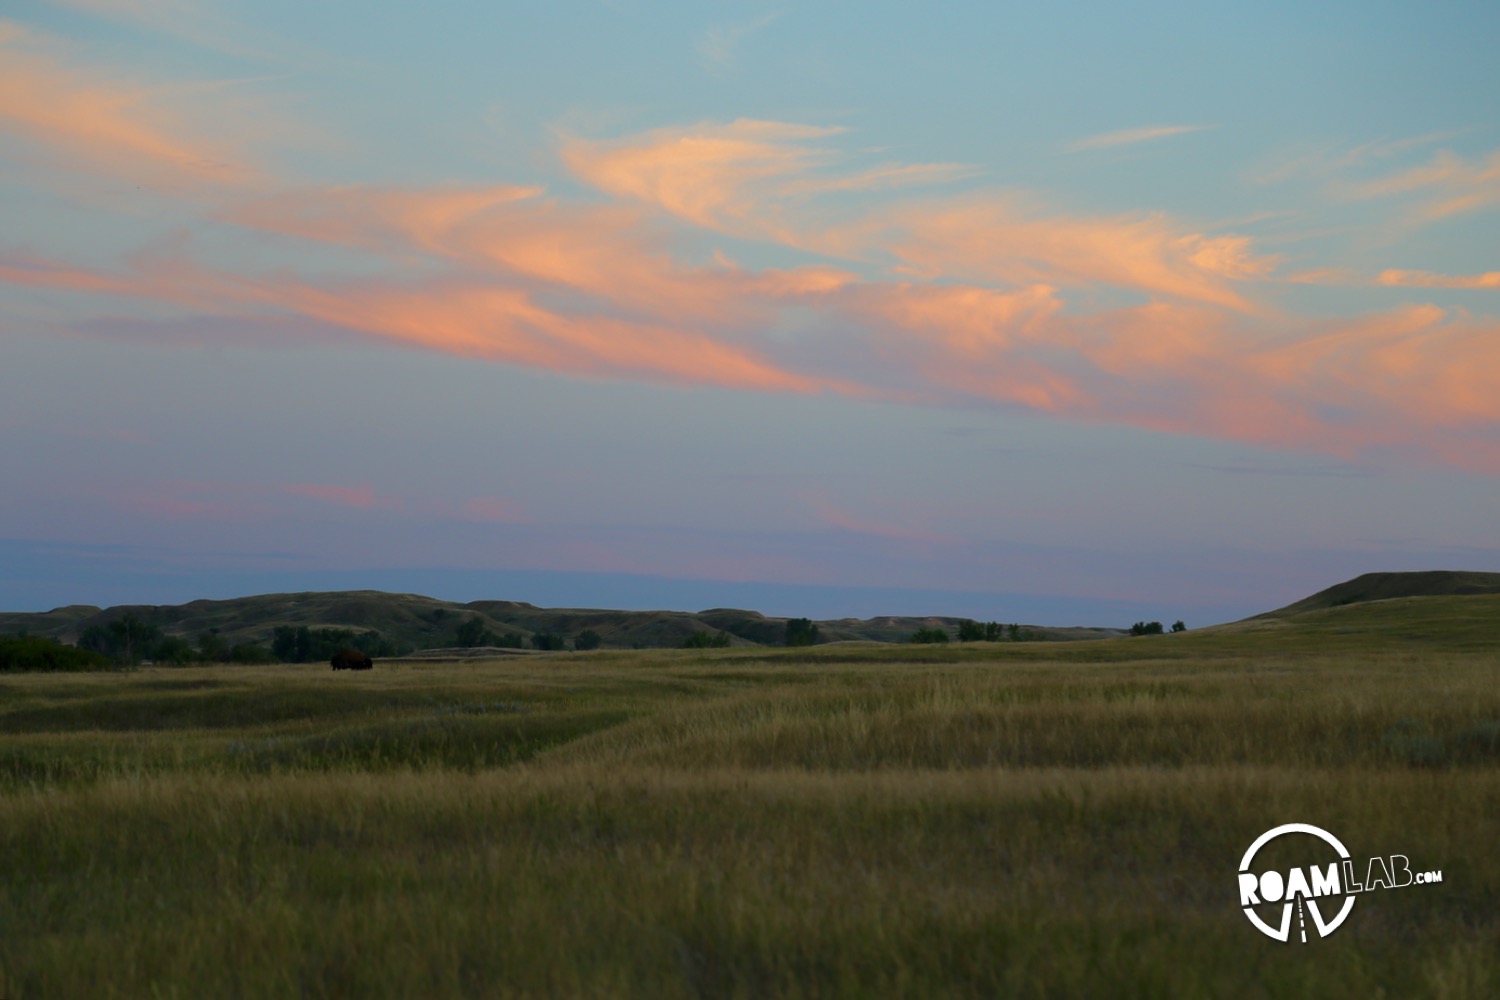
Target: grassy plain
841	820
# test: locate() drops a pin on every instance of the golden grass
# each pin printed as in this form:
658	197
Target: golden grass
854	821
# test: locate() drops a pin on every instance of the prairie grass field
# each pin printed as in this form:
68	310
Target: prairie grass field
852	819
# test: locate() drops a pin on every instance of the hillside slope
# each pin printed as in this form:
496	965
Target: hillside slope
1387	586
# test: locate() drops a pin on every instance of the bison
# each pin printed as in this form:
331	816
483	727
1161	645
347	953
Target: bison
351	659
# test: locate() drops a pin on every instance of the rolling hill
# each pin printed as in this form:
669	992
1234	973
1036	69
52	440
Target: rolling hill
415	622
1388	586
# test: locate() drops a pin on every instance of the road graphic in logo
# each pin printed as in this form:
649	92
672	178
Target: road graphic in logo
1324	890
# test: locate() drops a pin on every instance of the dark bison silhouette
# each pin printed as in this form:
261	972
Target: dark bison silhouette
351	659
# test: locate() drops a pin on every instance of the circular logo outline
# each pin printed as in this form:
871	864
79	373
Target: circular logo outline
1285	931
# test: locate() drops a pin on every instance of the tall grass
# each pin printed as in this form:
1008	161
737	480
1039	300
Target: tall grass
1005	819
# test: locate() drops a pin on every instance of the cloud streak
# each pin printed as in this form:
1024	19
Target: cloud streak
1133	136
1454	185
110	124
718	47
1426	279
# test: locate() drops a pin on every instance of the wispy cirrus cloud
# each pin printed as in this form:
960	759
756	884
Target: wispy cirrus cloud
1327	159
1133	136
708	174
1427	279
719	45
90	119
1453	184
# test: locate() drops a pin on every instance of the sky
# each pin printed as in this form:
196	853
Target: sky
1056	313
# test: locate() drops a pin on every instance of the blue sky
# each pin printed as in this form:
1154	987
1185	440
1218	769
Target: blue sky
1064	313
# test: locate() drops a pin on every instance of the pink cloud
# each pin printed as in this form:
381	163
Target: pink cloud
362	497
846	521
493	509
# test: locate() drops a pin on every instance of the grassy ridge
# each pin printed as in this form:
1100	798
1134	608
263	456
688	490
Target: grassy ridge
416	622
1016	819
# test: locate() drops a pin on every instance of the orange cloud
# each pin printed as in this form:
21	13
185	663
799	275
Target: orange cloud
610	252
991	239
987	311
1426	279
36	272
1465	186
107	125
706	174
430	220
508	325
748	179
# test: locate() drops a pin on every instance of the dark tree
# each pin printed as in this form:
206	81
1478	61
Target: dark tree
125	640
212	648
1146	628
548	641
587	639
801	632
929	635
1179	626
473	633
291	644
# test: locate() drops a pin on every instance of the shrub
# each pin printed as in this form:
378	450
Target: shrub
702	639
929	635
1146	628
587	639
548	641
24	652
1179	626
250	652
174	649
212	647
